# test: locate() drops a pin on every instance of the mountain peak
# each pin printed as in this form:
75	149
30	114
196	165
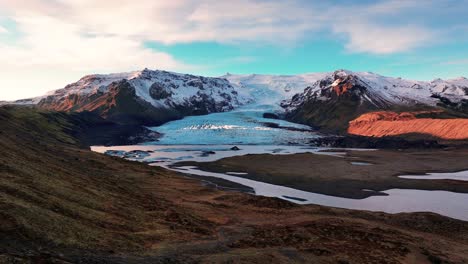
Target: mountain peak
344	81
342	73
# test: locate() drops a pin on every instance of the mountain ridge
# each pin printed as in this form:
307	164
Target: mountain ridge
330	104
300	81
326	101
144	97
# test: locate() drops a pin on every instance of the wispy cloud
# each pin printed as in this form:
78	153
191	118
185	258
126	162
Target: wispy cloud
185	21
83	36
365	37
3	30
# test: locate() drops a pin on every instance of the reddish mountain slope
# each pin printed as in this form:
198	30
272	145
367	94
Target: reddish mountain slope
380	124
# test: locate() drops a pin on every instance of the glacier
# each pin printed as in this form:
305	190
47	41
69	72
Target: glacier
246	125
243	126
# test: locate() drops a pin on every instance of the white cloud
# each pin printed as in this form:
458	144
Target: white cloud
3	30
51	42
364	37
84	36
384	27
54	51
185	21
178	21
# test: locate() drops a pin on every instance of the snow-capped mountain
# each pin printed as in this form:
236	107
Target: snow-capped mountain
155	97
337	98
160	88
382	91
149	97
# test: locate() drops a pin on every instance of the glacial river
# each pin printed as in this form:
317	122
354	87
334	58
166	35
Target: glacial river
397	201
211	137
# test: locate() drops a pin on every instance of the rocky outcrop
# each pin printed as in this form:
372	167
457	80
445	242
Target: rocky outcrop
158	91
384	124
388	142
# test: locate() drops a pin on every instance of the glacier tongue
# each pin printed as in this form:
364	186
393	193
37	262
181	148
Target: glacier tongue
246	124
243	126
271	89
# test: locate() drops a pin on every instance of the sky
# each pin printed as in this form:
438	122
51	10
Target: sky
46	44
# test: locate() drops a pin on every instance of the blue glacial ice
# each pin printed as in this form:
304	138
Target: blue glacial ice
243	126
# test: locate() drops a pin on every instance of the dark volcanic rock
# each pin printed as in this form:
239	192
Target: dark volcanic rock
275	125
270	115
91	130
373	143
158	91
206	153
271	124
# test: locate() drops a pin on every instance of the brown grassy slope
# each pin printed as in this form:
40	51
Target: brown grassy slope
63	204
65	195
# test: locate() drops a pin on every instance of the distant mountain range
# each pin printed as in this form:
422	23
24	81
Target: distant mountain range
327	101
